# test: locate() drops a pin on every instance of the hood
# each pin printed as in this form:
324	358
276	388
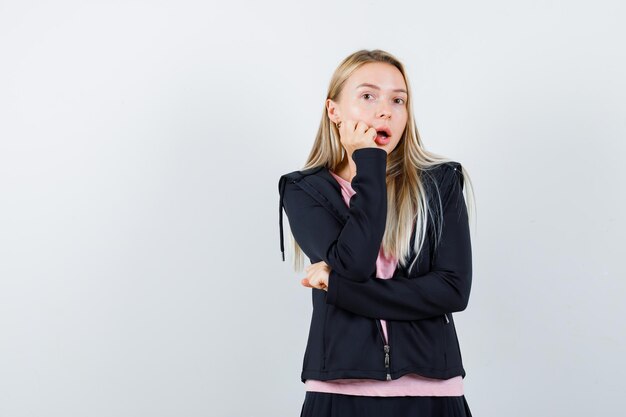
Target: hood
294	177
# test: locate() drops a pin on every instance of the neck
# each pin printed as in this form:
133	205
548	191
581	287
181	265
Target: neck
346	169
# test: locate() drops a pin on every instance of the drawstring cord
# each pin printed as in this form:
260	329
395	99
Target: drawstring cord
281	189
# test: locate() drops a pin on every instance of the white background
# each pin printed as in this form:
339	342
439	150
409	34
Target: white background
141	144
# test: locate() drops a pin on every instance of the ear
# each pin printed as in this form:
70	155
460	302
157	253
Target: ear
332	111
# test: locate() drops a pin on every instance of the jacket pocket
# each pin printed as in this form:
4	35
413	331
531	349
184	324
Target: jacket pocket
314	352
351	342
418	344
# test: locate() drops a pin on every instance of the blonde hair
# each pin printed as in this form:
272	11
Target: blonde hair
407	203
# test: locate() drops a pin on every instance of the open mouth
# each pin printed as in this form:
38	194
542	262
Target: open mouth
382	137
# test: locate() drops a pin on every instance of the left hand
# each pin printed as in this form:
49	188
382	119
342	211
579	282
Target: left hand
317	276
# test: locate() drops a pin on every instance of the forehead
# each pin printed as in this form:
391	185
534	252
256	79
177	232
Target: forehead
383	75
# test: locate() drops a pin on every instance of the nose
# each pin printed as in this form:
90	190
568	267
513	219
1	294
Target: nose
383	110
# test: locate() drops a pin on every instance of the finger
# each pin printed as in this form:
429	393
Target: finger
306	283
314	283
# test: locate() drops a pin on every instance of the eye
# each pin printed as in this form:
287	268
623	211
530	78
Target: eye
366	94
401	99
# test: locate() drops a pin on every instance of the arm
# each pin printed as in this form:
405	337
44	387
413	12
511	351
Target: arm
445	288
351	248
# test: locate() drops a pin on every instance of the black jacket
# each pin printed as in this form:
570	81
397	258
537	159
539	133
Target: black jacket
345	336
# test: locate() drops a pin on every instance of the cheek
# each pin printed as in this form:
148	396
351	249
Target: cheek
356	107
394	143
356	112
402	116
401	119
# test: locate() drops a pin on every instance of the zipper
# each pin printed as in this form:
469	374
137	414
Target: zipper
387	362
445	339
385	346
324	337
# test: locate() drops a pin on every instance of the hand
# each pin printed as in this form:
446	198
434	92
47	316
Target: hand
317	276
355	135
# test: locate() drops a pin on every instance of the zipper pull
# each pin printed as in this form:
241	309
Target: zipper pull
387	362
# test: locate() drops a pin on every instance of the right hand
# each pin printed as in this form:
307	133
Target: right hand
356	135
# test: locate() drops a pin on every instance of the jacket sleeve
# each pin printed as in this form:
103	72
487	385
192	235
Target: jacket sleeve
351	248
444	289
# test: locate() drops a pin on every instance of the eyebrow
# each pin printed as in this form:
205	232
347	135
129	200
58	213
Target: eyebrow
397	90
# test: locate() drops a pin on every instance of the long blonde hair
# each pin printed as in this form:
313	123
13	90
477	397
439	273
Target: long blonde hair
407	203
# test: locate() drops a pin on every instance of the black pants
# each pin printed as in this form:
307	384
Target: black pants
323	404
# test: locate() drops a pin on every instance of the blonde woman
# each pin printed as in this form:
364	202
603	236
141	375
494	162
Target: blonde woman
385	226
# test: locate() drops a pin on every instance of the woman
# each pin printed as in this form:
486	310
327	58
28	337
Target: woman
385	226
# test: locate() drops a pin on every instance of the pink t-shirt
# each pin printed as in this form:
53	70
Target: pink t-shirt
406	385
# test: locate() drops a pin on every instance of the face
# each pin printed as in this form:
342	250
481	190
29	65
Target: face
376	95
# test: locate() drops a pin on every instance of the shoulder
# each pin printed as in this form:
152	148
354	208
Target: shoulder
444	173
446	168
443	180
294	176
309	186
